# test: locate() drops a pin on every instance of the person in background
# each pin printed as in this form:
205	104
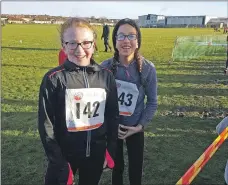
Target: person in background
136	79
105	35
78	110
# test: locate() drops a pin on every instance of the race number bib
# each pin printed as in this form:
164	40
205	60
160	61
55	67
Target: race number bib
127	97
84	108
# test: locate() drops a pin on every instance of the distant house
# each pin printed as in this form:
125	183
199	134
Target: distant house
16	20
42	20
218	22
27	20
4	21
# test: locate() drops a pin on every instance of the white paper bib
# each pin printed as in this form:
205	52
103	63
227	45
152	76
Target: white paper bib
84	108
127	97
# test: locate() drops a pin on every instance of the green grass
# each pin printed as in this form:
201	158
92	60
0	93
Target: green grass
172	143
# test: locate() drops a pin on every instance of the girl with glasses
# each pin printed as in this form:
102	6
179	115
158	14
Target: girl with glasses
78	110
135	78
63	56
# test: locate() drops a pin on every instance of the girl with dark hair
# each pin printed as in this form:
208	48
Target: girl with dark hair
135	78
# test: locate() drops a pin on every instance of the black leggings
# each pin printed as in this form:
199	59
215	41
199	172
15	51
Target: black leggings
90	168
135	147
107	45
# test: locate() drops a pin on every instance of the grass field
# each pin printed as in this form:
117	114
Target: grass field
172	143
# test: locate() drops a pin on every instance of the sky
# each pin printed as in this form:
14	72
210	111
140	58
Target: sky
116	9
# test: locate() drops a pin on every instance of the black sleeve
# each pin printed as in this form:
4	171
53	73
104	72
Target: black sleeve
46	119
112	116
108	30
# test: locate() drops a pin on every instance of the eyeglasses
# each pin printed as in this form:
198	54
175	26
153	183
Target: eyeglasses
84	44
122	37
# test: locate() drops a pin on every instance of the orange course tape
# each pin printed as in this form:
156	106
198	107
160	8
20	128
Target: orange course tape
192	172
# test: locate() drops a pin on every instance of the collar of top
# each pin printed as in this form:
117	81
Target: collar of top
92	67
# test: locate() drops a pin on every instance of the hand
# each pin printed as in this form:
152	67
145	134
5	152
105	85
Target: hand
121	131
130	131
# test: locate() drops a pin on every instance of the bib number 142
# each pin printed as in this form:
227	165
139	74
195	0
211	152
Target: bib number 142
87	110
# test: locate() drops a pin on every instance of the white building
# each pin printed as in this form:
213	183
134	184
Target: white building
4	21
151	20
16	20
180	21
27	20
42	22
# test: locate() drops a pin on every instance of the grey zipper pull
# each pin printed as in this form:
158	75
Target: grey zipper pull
88	132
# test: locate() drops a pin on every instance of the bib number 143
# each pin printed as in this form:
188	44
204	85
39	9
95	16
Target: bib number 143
125	99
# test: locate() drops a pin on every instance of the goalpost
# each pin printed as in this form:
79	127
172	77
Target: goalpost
205	47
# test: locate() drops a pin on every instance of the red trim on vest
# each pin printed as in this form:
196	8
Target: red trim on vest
55	72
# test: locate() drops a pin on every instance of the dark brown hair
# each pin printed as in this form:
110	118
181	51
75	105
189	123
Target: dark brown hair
137	55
